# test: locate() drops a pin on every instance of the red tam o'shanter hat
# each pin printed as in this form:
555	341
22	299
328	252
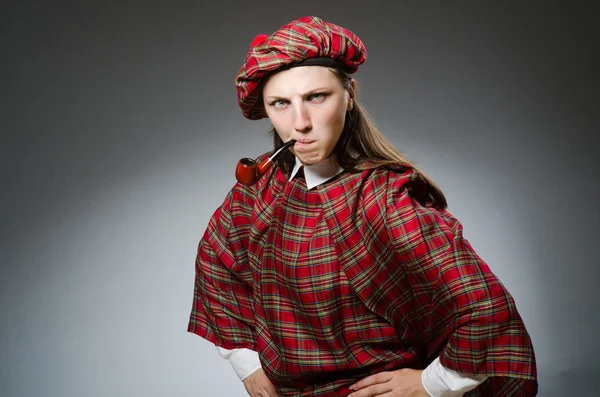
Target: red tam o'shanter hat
305	41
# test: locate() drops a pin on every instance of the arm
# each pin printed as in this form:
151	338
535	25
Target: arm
441	298
223	310
223	305
462	312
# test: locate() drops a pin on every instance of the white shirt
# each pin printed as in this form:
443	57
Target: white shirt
437	380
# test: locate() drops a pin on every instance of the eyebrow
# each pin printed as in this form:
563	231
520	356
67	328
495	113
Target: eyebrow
314	90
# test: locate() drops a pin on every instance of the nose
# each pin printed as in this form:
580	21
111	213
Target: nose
302	121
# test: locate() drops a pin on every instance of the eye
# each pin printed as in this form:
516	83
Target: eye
279	103
317	97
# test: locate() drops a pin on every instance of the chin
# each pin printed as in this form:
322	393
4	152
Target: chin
309	160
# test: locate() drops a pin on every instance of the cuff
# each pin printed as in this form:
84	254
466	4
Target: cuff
243	361
439	381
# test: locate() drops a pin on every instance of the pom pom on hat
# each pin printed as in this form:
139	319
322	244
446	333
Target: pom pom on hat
259	39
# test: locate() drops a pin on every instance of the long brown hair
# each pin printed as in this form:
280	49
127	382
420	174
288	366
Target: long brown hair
362	146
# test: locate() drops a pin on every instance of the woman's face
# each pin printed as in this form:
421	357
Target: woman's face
308	104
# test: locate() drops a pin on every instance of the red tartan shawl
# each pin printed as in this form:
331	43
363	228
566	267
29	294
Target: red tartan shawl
353	278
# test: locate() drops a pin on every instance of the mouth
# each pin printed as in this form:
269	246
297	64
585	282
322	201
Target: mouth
304	141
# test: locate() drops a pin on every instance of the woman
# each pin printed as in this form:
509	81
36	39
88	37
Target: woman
340	272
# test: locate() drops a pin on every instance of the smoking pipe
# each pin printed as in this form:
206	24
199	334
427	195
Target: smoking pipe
248	171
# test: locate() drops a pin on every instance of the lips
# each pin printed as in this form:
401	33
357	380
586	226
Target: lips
304	141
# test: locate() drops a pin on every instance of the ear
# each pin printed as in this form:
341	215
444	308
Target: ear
351	91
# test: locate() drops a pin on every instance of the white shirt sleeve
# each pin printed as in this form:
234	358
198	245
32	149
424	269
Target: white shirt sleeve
243	361
439	381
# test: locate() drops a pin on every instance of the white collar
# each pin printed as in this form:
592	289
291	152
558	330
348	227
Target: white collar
316	174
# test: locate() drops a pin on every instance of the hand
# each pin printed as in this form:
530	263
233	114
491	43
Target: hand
401	383
258	385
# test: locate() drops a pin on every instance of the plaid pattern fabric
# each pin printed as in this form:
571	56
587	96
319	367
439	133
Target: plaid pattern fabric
350	279
307	37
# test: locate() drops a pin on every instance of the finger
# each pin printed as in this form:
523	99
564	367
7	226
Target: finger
267	389
379	389
381	377
271	391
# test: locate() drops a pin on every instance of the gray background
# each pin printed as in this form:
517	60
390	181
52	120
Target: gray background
121	132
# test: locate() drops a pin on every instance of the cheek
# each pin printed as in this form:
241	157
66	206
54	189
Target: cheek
337	123
333	117
279	124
